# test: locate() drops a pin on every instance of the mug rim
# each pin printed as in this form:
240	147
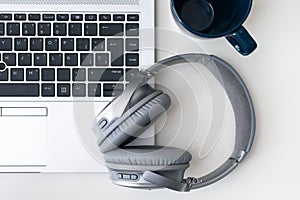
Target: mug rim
175	14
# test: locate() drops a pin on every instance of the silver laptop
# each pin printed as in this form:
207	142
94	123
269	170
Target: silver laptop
61	61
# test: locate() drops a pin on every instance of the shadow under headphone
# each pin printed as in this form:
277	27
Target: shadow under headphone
140	105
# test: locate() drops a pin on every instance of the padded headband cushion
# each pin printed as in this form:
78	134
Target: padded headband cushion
136	123
148	156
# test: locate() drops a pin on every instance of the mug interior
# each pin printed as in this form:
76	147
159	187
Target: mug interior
197	9
226	15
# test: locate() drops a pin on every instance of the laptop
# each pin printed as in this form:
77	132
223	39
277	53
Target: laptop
61	62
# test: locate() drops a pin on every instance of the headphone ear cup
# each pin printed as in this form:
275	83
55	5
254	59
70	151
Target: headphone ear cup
167	161
130	126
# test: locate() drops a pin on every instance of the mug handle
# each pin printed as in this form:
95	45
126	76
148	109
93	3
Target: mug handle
242	41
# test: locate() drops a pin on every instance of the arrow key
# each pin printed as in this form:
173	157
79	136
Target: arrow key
48	90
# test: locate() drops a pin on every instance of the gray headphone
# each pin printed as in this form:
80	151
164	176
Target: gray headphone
140	105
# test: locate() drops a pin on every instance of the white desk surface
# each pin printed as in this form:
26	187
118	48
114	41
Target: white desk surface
272	74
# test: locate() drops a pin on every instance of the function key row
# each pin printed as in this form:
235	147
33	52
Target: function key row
68	17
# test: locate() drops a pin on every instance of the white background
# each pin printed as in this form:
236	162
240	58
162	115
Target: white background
271	171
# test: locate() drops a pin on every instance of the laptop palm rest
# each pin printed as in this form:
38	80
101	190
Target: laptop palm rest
23	137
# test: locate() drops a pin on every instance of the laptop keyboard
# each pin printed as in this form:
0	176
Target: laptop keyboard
67	54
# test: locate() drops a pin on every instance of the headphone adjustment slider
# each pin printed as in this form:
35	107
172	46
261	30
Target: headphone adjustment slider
238	155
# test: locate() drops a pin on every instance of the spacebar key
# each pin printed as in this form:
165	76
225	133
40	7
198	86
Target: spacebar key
19	90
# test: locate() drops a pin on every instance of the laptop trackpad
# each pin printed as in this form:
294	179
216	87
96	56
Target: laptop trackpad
23	140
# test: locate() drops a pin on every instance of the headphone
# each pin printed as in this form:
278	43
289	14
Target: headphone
140	105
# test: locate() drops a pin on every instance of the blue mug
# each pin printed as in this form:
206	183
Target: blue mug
217	18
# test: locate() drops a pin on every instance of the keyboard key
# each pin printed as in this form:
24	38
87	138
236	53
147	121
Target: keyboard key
105	17
59	29
90	29
78	90
132	44
132	29
75	29
112	90
94	90
44	29
119	17
36	44
63	90
48	74
90	17
48	90
106	74
3	76
19	90
2	29
102	59
40	59
52	44
71	59
5	44
16	74
115	29
132	59
131	73
63	75
6	17
32	74
55	59
116	46
111	93
21	44
98	44
67	44
86	59
133	17
13	29
2	66
62	17
25	59
10	59
113	86
76	17
82	44
28	29
79	74
34	17
20	17
48	17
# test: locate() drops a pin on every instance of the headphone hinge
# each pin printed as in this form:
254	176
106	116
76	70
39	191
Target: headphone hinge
189	182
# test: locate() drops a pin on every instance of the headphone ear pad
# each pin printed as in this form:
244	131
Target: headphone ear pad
148	156
132	125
